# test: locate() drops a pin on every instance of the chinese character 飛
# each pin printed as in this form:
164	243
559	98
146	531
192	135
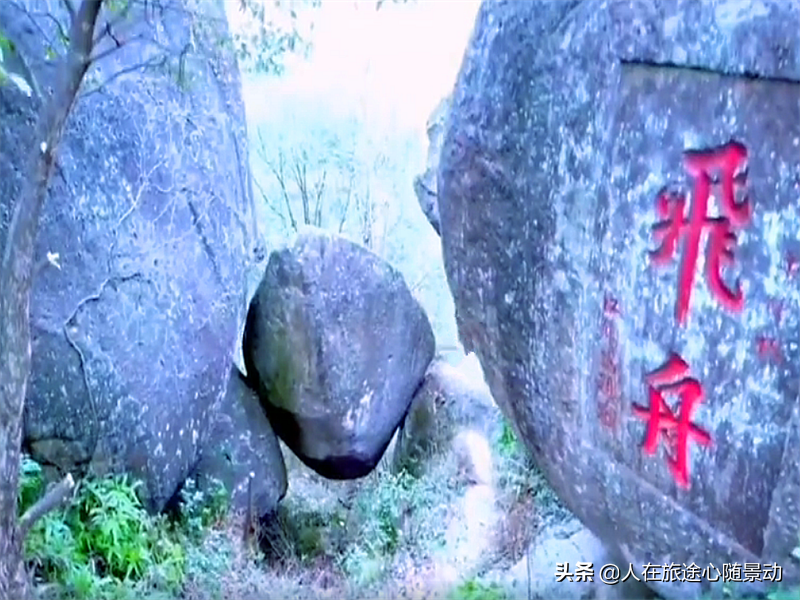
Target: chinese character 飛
724	165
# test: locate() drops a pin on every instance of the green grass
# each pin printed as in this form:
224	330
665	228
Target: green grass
338	539
105	545
473	590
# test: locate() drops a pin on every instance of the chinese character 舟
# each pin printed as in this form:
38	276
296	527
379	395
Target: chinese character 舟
660	418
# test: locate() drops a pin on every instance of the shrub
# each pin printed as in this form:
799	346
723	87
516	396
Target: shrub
473	590
104	544
201	509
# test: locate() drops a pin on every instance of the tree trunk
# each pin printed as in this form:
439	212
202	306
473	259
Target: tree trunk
16	272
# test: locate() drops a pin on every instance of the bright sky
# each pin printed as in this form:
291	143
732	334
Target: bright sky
395	63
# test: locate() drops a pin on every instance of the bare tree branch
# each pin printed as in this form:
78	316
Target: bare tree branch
16	275
118	44
302	187
62	33
153	62
115	21
343	217
54	498
278	172
279	175
319	188
271	206
70	9
31	15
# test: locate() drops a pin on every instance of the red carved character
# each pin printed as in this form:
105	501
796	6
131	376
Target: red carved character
769	348
725	166
608	414
672	378
609	377
611	306
792	265
609	392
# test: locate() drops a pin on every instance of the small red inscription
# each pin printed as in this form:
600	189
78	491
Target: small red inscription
769	348
673	378
611	307
792	265
608	400
724	166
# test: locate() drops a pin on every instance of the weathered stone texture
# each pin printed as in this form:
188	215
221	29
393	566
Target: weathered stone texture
243	452
568	120
150	212
336	346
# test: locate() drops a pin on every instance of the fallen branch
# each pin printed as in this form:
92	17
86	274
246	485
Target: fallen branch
52	500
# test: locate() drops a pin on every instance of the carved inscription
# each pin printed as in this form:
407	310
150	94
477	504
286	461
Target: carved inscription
723	169
725	166
673	379
609	384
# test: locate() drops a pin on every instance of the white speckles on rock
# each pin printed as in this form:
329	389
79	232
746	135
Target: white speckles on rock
691	140
349	420
649	121
671	25
560	281
729	14
737	410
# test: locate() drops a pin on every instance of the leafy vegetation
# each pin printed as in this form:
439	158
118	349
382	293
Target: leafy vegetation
103	544
351	542
473	590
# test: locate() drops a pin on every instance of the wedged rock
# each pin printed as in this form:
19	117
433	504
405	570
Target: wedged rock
336	346
243	452
425	184
150	213
450	399
577	135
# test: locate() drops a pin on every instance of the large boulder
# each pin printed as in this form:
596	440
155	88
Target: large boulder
150	213
243	453
336	345
651	370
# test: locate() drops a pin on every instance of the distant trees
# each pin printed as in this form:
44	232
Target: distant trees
326	184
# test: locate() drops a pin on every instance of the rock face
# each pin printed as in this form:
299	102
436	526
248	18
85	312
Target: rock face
448	400
243	452
425	185
620	237
558	542
336	345
150	213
